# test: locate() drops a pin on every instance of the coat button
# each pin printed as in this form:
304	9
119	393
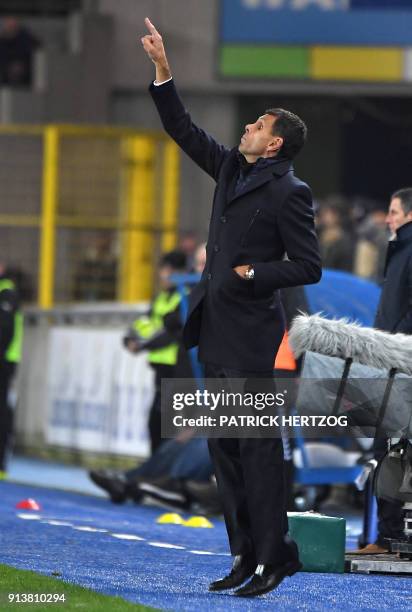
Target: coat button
216	248
209	276
223	219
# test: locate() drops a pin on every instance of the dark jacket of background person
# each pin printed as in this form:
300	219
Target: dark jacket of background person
152	335
371	246
149	333
96	274
395	307
17	46
336	241
170	335
394	315
337	254
236	322
8	309
11	331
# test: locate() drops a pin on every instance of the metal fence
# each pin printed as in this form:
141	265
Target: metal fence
86	211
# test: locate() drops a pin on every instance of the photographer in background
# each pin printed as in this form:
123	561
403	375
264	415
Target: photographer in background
149	333
180	468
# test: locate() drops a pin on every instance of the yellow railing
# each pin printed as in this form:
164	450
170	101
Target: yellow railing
66	190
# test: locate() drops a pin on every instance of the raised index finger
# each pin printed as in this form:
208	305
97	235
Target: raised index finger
150	26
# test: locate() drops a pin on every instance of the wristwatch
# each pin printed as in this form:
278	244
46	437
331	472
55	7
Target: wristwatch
250	273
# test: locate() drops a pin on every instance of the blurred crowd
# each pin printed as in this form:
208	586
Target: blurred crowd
353	235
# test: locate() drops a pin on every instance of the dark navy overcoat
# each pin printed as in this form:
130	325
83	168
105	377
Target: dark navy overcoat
239	323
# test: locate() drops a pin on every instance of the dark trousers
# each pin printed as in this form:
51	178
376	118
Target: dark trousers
251	485
7	370
155	430
390	513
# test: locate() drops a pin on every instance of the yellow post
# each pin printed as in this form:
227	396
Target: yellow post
136	266
170	195
48	216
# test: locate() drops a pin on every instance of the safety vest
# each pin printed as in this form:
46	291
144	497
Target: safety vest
14	350
285	359
147	327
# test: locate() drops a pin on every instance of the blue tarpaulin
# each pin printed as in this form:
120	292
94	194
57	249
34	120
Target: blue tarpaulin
340	294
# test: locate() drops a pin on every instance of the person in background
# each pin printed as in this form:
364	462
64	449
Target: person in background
179	471
370	251
11	336
188	243
184	490
95	276
23	283
17	47
336	243
394	315
149	333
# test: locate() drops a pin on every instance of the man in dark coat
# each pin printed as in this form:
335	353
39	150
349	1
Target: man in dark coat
17	48
394	315
261	212
394	312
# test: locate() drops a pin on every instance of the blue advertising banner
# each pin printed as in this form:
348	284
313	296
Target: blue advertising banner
317	22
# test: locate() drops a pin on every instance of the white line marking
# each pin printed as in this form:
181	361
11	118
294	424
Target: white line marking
126	536
119	536
165	545
93	529
58	523
29	517
202	552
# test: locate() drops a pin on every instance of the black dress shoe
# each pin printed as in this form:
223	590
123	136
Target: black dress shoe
243	567
113	482
267	578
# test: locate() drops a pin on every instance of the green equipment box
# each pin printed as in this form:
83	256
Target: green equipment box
321	541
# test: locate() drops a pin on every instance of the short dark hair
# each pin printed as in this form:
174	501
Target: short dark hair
405	196
291	128
175	259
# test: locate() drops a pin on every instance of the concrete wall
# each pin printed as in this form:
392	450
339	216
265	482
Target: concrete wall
189	29
72	77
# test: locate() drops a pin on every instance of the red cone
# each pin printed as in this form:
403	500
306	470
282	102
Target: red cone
28	504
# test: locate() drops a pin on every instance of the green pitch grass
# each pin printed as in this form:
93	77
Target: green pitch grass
14	581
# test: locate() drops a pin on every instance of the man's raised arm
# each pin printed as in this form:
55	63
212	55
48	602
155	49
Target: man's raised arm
201	147
153	45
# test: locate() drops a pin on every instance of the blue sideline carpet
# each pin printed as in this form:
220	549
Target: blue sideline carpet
121	550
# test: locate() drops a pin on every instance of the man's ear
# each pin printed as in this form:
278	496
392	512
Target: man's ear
275	145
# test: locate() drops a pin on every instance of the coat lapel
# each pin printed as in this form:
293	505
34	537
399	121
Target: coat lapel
260	179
